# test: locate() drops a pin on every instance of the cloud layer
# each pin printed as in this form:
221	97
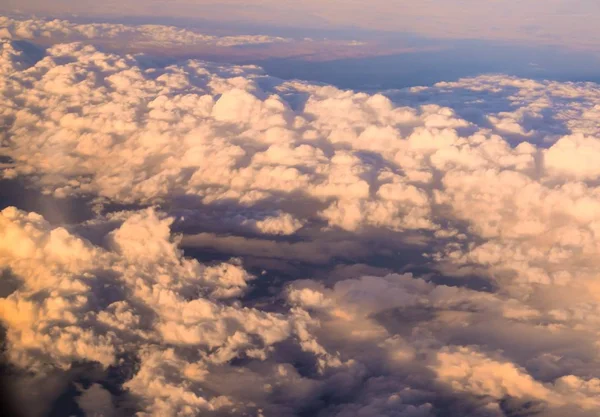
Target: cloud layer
143	35
568	23
492	180
171	42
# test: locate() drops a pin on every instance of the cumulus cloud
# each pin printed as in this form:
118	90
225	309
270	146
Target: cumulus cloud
491	179
377	314
158	35
574	157
281	224
173	41
80	303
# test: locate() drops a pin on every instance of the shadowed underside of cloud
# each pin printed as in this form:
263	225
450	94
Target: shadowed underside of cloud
490	177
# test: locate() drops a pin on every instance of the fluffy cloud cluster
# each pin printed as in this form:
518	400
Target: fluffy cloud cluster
518	109
493	179
142	35
414	324
77	302
405	346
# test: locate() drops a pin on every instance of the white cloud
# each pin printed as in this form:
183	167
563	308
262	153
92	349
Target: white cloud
281	224
574	157
295	172
78	302
470	371
141	35
549	22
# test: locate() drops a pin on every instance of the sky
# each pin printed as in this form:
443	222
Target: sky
563	22
361	45
299	209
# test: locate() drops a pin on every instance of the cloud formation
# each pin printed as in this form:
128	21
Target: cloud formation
172	41
81	303
148	35
491	179
568	23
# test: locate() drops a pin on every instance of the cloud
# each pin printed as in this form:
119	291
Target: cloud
574	157
282	224
552	22
318	252
96	401
78	302
498	315
170	42
148	35
470	371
